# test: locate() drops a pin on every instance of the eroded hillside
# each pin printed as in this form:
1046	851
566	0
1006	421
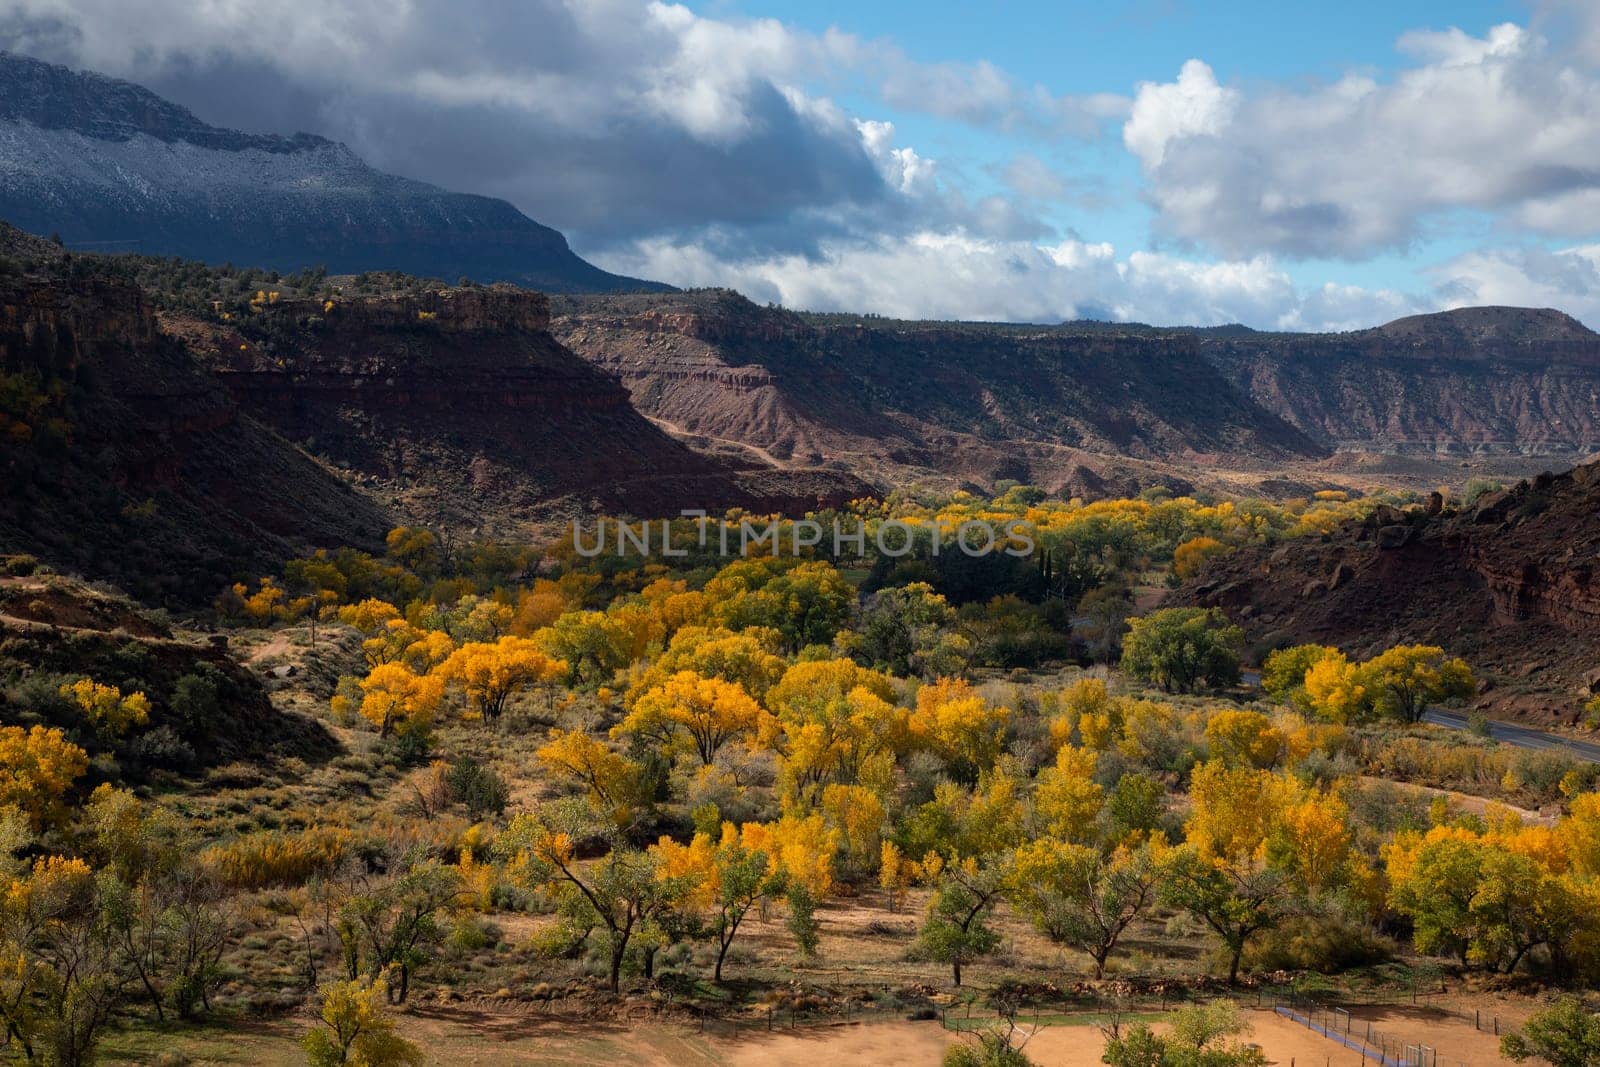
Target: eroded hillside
1097	407
123	458
1510	582
1068	410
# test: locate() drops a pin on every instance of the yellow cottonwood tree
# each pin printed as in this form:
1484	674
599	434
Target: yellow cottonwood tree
108	711
610	778
356	1029
1243	738
956	723
492	673
1067	799
801	846
394	696
729	877
384	631
1235	810
1334	688
748	658
1402	681
838	724
37	767
708	712
857	814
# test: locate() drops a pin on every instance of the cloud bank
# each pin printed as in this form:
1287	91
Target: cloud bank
715	151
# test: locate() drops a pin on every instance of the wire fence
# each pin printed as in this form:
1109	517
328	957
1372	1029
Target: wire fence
1333	1020
1337	1023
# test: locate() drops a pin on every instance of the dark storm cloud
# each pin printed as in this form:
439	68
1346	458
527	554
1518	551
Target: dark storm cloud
611	124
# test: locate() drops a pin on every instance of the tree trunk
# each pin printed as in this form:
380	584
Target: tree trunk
722	952
616	967
650	962
955	966
1233	964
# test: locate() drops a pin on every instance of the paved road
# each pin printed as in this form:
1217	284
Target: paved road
1521	736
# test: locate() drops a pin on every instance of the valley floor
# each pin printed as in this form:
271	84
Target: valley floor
509	1034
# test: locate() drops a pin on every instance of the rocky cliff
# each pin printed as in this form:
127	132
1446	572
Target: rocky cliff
111	166
1093	406
1084	411
123	458
176	443
1475	380
459	406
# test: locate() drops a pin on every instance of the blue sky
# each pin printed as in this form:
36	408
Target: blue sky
1077	47
1290	166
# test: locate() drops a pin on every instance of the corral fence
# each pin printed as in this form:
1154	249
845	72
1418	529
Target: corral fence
963	1017
1333	1020
1336	1022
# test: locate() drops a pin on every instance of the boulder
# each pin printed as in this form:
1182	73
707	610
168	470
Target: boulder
1395	536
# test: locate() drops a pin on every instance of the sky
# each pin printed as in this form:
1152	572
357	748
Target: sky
1289	165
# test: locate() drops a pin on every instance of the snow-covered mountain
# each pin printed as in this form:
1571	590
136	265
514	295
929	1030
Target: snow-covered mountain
111	166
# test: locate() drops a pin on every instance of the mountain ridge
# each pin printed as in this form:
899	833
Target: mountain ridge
1086	407
108	164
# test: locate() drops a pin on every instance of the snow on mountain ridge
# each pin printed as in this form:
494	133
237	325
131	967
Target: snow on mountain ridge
109	164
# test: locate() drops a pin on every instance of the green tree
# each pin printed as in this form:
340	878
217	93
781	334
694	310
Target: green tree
802	919
1183	650
956	930
1237	901
392	925
616	894
1566	1034
1079	897
902	624
1197	1037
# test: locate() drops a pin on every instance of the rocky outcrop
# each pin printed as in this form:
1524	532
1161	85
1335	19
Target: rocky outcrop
1473	381
982	402
1511	582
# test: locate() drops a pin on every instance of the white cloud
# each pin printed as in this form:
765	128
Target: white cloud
1567	279
1193	106
957	276
611	118
1506	124
704	150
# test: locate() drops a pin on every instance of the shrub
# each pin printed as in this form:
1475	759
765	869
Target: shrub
478	787
1325	943
274	858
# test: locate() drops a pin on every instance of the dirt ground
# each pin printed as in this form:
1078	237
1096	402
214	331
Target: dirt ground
459	1034
1451	1035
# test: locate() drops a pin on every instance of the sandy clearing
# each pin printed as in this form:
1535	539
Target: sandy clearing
491	1036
